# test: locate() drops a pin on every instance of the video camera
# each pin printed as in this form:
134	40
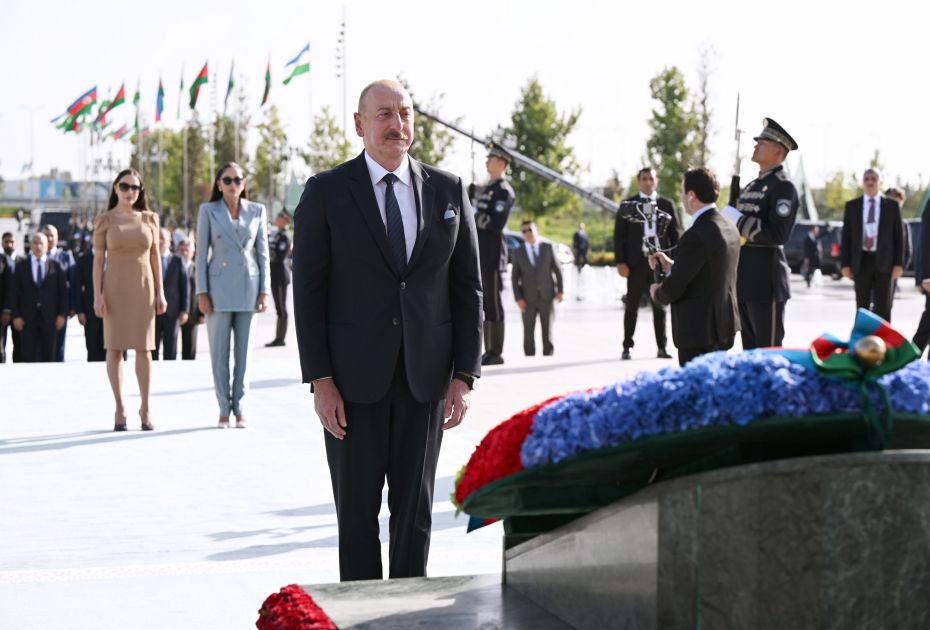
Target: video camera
645	211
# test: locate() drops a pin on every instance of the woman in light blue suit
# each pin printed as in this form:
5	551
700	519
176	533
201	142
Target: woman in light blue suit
232	282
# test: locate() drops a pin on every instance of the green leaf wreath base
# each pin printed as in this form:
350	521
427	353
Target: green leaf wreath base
590	480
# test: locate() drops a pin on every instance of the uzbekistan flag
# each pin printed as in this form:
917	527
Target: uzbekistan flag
195	86
267	82
230	85
84	103
299	66
159	101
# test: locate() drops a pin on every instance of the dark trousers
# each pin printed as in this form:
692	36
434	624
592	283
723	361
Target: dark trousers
279	295
17	353
189	339
762	324
396	438
922	336
166	335
3	330
641	278
546	313
874	288
686	354
60	343
39	341
493	306
93	339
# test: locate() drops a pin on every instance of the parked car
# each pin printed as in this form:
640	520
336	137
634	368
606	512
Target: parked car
830	236
563	252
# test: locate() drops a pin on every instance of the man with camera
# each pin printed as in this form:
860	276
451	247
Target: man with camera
700	283
630	254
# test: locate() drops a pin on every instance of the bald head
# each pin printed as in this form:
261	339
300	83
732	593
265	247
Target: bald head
38	244
387	84
384	121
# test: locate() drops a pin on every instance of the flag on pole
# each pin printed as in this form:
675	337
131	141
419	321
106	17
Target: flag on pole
135	97
230	85
84	103
195	86
119	133
267	82
109	106
159	101
181	93
300	66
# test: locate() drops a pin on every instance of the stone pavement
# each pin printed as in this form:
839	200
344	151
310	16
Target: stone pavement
189	526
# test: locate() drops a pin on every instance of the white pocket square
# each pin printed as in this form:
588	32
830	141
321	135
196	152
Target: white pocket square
450	214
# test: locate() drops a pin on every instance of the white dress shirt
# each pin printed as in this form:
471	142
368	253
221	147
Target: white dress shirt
403	191
532	251
867	227
694	217
35	262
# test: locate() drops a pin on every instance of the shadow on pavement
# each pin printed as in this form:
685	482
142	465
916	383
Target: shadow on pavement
105	437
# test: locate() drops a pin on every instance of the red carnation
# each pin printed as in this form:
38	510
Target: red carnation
292	609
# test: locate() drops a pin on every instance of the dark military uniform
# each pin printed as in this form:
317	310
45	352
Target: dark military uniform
492	209
769	205
279	256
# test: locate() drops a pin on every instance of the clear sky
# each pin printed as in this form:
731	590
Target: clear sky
844	78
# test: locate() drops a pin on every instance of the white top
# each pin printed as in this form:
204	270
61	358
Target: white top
403	191
35	262
870	229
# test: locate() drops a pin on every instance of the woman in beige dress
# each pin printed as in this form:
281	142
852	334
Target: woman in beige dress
128	286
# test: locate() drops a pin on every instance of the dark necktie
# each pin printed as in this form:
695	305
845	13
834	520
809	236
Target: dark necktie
395	224
40	272
870	240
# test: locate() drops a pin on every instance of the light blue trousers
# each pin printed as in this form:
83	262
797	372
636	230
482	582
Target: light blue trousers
222	327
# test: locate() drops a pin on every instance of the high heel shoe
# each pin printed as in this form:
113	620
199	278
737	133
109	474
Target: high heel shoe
223	423
119	422
146	423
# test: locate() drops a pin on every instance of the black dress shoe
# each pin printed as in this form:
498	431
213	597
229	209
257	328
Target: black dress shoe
493	359
662	354
274	344
625	356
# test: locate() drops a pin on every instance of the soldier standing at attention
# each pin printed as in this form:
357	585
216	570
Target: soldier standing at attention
280	252
764	214
492	209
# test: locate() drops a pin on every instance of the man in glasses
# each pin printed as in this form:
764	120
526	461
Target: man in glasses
872	249
630	254
492	209
764	213
537	285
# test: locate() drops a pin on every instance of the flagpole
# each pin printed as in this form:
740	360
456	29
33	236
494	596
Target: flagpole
212	128
236	131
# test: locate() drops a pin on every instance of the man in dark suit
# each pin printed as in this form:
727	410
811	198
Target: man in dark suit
537	283
279	251
82	299
872	246
177	293
40	302
700	283
194	316
387	303
922	278
9	262
6	301
813	254
632	265
66	260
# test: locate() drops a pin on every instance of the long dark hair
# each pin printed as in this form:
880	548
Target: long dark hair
142	202
217	193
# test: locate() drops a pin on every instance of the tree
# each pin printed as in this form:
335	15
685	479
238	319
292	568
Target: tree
839	188
270	158
613	189
230	134
328	146
431	141
701	105
671	145
540	132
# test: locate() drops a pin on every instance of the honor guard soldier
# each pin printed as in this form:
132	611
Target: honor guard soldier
764	214
492	209
280	253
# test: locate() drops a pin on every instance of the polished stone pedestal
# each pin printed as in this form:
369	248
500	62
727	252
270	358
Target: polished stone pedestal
467	602
827	542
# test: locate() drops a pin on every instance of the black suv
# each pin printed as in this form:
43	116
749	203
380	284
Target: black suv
830	235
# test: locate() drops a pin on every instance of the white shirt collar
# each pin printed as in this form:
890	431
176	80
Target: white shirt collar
377	172
701	211
877	198
39	260
653	197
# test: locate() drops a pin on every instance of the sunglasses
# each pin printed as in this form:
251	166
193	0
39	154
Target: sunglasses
123	186
527	231
229	180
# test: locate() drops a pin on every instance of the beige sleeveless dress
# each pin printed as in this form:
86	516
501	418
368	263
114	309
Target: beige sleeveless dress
128	284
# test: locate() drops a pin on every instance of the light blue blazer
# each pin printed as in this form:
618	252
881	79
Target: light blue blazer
232	266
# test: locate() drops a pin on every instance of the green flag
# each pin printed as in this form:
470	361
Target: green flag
299	63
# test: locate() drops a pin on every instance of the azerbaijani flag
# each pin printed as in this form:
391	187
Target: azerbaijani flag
119	133
136	96
84	103
159	101
118	100
300	66
267	82
230	85
195	86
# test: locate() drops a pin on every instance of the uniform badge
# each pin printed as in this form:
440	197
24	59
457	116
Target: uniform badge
500	206
765	188
783	207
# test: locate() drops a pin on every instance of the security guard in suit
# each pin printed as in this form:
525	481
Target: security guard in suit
764	213
492	209
280	255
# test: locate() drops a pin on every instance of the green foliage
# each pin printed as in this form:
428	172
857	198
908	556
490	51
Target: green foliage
671	146
539	131
613	189
431	141
328	146
840	187
270	160
701	106
229	141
